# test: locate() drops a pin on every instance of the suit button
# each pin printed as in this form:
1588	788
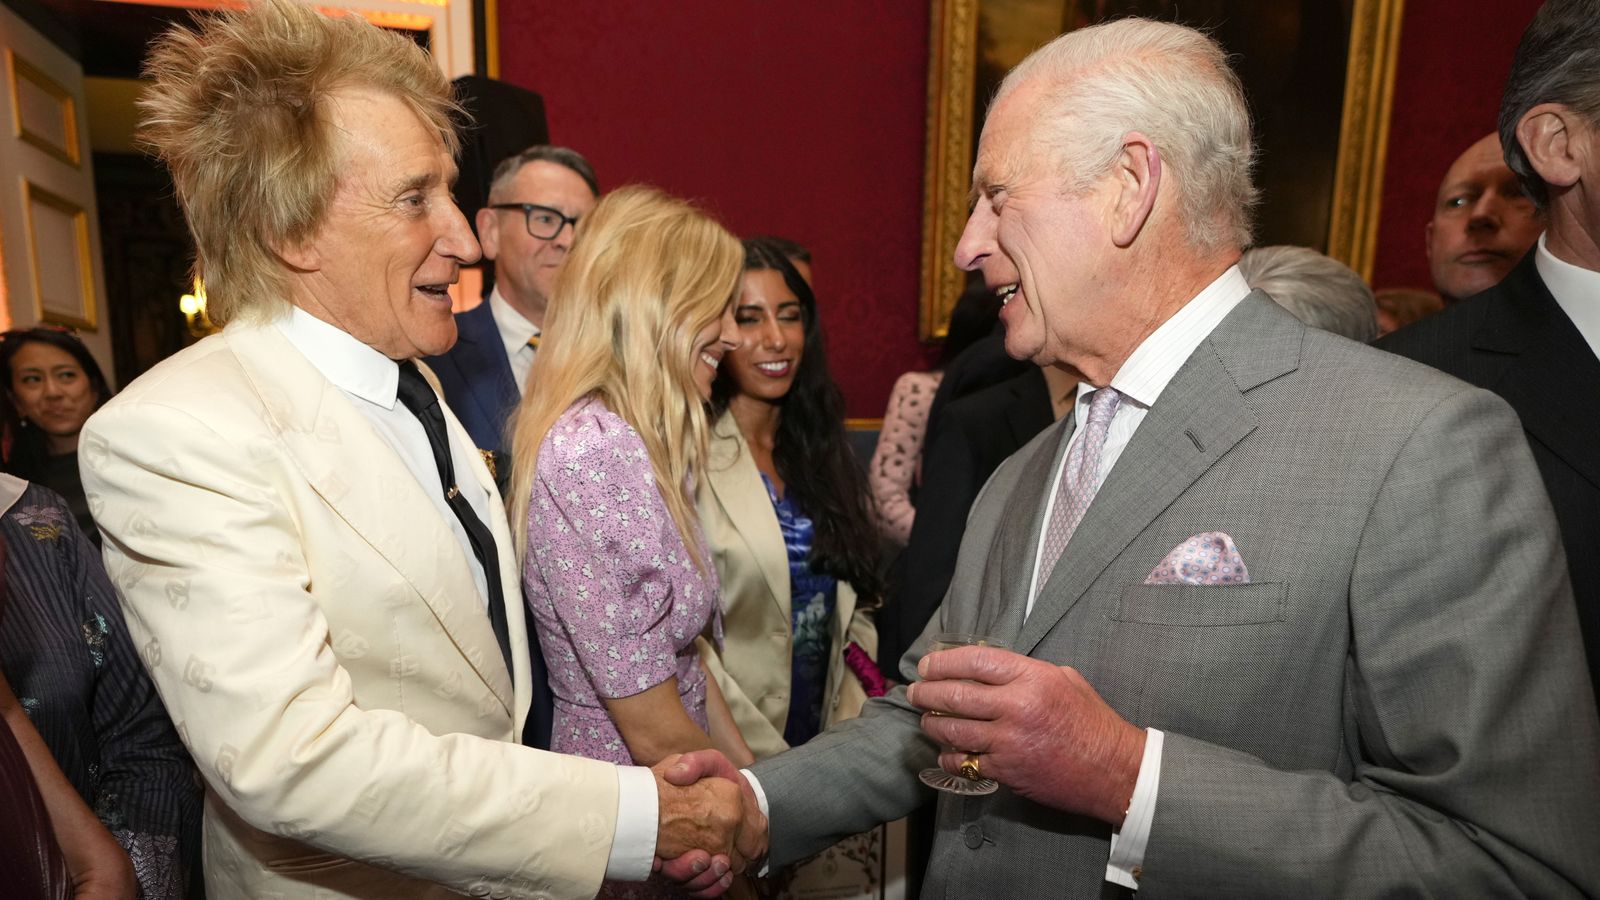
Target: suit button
974	836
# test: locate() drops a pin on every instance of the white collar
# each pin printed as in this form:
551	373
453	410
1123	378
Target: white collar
1152	365
350	365
514	327
1576	290
11	488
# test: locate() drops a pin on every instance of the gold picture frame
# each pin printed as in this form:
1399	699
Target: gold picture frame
82	312
19	70
952	110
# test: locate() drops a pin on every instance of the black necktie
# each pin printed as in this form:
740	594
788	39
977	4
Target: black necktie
419	398
424	404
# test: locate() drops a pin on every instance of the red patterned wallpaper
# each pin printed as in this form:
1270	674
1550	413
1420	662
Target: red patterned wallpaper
798	119
1454	57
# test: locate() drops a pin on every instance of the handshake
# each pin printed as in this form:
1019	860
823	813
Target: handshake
711	827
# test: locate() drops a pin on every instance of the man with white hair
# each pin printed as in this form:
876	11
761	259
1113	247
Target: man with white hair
1252	651
1315	288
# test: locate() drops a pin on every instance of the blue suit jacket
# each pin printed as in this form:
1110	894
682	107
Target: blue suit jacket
477	380
478	385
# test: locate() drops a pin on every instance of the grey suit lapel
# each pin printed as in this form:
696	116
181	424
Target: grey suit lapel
1200	416
1016	542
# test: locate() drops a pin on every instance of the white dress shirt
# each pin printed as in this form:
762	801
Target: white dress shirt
1141	380
1577	292
371	381
515	332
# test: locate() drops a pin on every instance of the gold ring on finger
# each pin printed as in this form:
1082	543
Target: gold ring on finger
969	767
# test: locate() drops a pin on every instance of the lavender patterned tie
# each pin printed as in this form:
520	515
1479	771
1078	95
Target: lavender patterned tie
1080	481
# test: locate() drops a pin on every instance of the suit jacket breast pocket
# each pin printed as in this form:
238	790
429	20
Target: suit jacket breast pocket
1202	605
1207	661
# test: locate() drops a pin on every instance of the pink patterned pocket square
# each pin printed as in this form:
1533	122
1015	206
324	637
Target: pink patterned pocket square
1209	558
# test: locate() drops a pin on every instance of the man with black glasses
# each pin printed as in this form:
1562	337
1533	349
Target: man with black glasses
536	200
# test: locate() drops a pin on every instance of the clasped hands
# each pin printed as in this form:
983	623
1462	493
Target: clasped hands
711	826
1037	728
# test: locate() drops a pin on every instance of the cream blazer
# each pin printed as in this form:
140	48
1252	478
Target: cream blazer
753	668
313	628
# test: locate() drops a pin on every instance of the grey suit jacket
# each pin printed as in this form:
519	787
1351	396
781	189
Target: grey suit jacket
1395	705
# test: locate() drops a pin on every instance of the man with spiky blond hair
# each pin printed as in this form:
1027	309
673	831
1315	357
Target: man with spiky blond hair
311	555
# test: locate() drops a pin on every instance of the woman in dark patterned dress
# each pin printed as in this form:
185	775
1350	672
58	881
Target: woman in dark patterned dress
66	653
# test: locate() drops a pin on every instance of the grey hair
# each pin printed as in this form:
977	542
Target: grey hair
561	156
1316	289
1171	83
240	109
1558	61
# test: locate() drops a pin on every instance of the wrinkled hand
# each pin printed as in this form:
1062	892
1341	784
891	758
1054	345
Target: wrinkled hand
1041	729
710	826
698	873
691	767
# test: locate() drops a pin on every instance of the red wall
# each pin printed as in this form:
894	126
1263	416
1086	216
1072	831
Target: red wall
1454	57
798	119
806	120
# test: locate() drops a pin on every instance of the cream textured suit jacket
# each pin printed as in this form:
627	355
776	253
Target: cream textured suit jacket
314	630
753	668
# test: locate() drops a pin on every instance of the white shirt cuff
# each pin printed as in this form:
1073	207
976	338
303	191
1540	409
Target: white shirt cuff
761	801
1128	844
633	847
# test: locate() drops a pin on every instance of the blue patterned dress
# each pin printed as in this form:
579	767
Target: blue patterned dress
812	598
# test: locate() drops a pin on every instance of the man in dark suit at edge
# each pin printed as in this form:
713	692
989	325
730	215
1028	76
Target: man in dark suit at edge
1532	338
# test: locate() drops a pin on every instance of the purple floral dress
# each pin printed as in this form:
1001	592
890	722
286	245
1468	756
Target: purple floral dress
615	596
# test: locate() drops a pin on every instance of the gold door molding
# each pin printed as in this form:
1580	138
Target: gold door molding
1364	133
22	76
57	232
947	172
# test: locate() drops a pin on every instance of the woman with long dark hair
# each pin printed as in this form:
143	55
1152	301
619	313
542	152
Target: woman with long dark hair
787	513
53	384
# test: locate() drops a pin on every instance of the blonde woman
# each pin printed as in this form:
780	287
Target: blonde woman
609	437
